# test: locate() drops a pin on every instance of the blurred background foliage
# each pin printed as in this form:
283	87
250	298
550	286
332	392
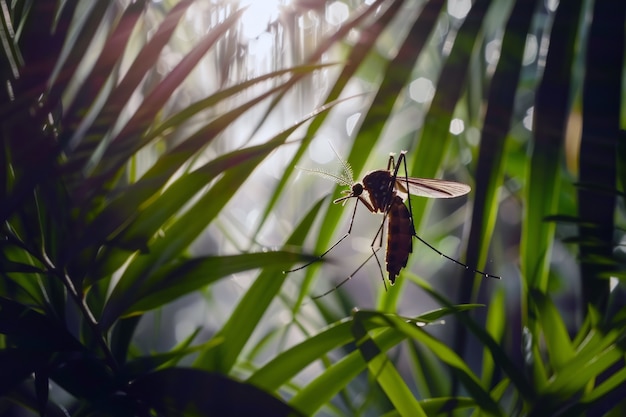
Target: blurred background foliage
151	201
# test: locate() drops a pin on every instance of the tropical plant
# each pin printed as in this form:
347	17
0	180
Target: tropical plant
133	178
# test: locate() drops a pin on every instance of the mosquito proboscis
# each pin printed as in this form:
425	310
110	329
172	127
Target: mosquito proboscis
382	191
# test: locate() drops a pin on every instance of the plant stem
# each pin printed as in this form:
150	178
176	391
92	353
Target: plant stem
78	298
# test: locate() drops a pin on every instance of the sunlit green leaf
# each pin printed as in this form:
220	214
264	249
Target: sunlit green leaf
324	387
253	305
286	365
187	275
554	332
383	370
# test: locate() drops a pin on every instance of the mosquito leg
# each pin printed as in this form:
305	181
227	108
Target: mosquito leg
319	258
379	237
374	251
484	274
391	162
380	267
336	287
402	159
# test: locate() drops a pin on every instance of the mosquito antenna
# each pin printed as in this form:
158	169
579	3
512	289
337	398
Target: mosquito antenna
346	168
329	176
346	178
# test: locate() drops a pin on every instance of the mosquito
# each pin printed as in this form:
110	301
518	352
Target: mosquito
382	191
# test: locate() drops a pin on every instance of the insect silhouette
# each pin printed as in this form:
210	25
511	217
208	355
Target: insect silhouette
382	191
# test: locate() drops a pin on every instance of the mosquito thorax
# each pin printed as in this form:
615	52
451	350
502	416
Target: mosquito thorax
378	185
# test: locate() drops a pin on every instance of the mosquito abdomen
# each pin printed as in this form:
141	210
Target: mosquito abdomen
399	238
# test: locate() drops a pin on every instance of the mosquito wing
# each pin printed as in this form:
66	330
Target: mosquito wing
432	188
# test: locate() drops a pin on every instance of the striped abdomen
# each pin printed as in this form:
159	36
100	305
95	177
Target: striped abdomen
399	238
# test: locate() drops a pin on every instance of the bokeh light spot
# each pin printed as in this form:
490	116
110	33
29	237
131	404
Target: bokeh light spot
459	8
457	126
337	13
421	90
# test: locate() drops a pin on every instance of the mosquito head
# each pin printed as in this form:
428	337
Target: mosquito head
355	191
